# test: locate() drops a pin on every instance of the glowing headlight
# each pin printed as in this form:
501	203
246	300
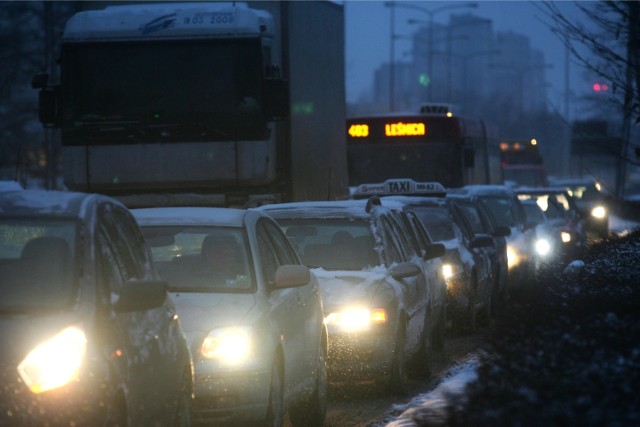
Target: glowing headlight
355	319
565	236
599	212
513	258
543	247
55	362
229	344
447	271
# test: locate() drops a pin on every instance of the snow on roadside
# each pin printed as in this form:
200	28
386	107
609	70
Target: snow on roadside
431	408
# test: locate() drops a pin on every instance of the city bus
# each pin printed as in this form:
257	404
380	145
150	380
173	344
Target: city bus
432	145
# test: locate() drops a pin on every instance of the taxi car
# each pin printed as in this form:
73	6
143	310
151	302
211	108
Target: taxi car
90	336
254	322
466	263
376	298
548	243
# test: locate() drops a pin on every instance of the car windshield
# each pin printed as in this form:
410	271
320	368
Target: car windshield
333	244
36	264
500	208
437	221
533	213
553	205
201	259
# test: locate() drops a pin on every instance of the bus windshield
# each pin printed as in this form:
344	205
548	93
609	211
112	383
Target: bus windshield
207	86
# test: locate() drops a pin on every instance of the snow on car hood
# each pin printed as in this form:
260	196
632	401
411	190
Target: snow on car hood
341	287
201	312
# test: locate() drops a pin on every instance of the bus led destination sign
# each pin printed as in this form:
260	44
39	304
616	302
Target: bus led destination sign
405	129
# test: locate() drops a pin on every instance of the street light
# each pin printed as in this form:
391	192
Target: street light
431	13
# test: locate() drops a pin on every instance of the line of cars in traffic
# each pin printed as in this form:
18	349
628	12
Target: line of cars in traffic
181	315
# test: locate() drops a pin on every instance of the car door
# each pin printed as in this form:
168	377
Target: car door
287	308
414	289
141	343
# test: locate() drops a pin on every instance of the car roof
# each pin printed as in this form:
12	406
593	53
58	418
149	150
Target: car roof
489	190
416	200
329	209
540	190
230	217
53	203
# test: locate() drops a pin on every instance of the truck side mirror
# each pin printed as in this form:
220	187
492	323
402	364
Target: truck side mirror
49	108
276	98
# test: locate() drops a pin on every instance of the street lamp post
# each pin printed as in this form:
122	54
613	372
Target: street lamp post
430	13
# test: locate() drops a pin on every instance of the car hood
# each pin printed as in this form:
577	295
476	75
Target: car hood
200	312
341	287
21	333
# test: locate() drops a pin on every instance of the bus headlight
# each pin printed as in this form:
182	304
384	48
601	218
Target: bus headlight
356	319
565	236
55	362
229	344
599	212
543	246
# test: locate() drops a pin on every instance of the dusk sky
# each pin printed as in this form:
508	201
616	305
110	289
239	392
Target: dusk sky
367	33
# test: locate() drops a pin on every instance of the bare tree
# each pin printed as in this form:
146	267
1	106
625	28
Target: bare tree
611	36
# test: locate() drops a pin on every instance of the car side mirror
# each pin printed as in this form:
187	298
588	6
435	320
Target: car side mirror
403	270
139	295
291	276
481	241
434	250
502	231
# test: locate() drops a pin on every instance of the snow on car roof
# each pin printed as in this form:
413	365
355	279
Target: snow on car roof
190	216
341	208
415	200
25	203
489	190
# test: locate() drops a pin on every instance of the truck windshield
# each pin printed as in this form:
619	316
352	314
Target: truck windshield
205	86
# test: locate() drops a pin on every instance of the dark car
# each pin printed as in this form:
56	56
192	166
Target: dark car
590	200
482	223
90	336
563	214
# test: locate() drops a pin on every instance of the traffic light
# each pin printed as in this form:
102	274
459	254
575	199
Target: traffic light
600	87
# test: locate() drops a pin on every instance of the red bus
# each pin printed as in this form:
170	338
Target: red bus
433	145
521	163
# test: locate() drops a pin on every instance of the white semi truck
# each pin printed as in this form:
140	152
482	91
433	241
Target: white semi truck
210	103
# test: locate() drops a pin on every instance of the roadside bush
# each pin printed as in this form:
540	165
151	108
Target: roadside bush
567	352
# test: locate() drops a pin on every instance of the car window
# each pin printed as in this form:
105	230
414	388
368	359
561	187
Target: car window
502	210
37	263
394	248
201	259
437	221
109	266
472	216
112	223
285	252
333	243
268	259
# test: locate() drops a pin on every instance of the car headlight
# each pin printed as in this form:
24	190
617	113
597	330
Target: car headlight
599	212
55	362
565	236
543	246
447	271
356	319
229	344
513	257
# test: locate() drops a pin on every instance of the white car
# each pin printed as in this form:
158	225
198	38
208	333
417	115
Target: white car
378	306
251	310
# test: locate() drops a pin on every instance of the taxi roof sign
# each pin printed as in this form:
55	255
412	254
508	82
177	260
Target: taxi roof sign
400	186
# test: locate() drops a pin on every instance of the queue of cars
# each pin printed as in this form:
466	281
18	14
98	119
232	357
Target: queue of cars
185	315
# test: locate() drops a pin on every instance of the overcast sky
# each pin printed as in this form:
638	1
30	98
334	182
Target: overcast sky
367	36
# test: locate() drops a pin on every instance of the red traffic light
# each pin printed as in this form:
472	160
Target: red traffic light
600	87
